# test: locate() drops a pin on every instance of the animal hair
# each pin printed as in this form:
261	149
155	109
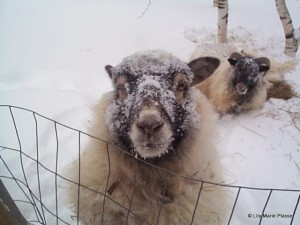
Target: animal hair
117	186
221	87
277	87
217	77
220	51
216	88
281	89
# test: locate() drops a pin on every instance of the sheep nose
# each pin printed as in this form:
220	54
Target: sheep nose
150	125
241	88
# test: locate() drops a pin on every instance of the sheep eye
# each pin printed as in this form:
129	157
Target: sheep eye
121	88
121	92
180	87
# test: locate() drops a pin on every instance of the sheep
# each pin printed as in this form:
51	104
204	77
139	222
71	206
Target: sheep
159	132
277	86
233	87
277	69
237	84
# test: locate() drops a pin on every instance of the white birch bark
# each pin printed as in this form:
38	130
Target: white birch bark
291	43
222	20
215	3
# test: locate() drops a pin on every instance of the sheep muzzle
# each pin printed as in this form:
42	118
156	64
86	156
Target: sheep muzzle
151	133
150	124
241	88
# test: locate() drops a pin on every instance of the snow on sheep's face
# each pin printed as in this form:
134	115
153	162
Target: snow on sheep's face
152	106
247	72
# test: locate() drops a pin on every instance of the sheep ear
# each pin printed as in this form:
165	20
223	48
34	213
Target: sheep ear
203	67
109	69
263	63
234	58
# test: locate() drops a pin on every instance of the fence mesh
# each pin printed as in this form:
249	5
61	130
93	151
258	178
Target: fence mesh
34	150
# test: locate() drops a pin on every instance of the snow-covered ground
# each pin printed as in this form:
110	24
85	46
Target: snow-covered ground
52	58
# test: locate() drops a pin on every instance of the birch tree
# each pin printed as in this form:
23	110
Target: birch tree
291	35
215	3
222	20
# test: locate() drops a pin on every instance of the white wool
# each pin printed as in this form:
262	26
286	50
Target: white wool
200	161
195	116
221	51
193	156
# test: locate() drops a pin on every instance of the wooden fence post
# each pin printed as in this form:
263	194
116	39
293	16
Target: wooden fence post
9	212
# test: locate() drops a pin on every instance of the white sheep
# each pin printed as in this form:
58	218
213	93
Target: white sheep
237	82
156	127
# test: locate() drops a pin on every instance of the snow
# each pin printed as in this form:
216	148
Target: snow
52	58
156	62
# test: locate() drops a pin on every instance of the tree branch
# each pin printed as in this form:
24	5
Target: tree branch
143	13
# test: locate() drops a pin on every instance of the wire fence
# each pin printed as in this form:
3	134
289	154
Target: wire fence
33	149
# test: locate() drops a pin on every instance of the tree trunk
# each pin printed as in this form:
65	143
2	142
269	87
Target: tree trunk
291	43
222	20
215	3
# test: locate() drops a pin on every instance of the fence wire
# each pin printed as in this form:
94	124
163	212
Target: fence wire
35	181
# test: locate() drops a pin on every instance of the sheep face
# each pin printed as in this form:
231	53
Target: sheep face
152	106
247	74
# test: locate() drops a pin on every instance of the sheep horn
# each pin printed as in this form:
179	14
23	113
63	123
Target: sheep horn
234	58
263	63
